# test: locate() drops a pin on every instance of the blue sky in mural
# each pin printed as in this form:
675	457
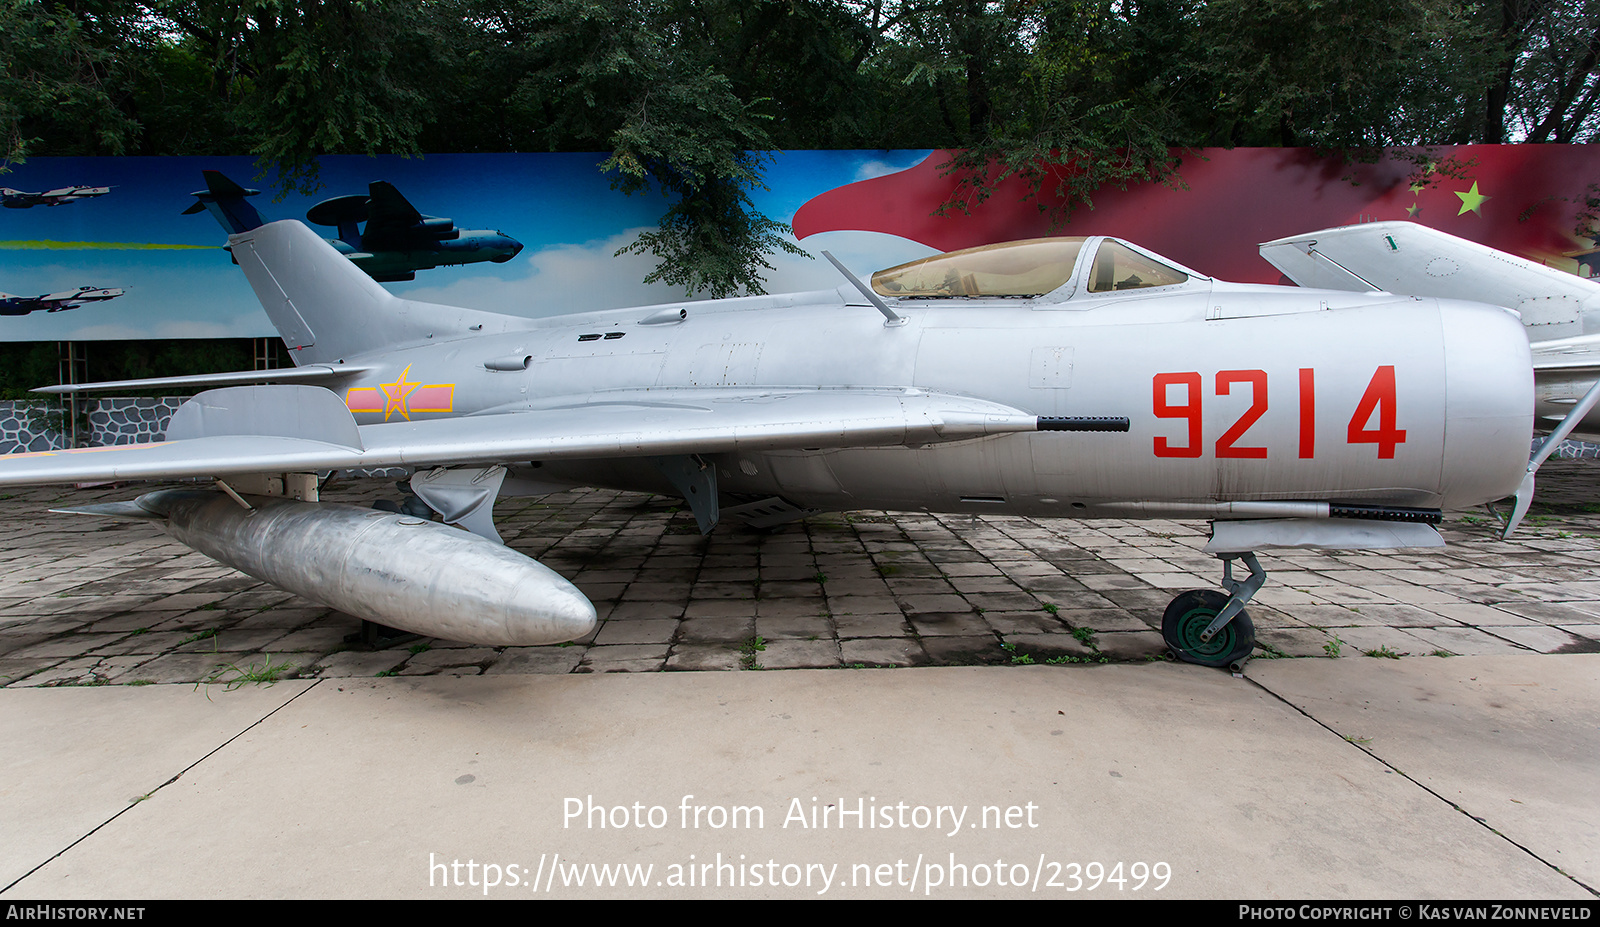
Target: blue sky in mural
181	284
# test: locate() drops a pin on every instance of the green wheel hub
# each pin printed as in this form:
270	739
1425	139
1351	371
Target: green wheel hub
1190	614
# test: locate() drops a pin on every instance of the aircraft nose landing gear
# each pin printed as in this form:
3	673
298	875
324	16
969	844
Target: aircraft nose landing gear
1211	628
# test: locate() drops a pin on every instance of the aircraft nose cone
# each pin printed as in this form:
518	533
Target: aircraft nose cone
508	248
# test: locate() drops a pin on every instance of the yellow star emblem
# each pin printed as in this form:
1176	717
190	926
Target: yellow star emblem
1472	200
397	394
1412	210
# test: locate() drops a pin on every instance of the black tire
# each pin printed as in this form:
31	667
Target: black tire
386	505
1190	613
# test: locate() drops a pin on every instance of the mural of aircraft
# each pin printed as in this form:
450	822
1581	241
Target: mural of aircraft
56	302
18	199
397	241
1063	377
1559	311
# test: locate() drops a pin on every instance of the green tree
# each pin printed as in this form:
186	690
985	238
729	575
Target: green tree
64	77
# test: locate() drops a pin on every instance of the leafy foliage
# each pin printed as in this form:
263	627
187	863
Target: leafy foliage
1068	95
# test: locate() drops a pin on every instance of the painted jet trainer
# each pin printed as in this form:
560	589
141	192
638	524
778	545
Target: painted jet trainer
1559	311
56	302
18	199
397	242
1061	377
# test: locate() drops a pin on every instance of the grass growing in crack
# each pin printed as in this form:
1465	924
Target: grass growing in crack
1054	610
1084	636
420	648
1017	659
1382	651
1358	741
1333	647
263	673
820	577
748	651
199	636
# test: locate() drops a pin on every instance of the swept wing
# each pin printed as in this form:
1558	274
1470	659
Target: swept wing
259	429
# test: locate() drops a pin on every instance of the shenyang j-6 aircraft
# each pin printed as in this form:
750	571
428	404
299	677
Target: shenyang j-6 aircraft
1060	377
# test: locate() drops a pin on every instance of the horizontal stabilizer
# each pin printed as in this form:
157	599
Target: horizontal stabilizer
312	374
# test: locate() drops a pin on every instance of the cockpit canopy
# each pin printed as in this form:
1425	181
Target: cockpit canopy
1020	269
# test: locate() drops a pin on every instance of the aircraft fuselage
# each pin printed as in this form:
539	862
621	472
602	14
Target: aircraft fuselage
1232	392
468	247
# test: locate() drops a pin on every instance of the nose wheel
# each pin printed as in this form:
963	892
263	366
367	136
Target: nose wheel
1211	628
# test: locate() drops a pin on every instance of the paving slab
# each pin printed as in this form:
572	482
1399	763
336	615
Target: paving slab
77	758
1512	740
1462	778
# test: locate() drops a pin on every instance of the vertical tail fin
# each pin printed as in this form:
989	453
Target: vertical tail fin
327	309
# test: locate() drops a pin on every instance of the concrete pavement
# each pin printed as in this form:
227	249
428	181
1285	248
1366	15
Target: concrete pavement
1469	777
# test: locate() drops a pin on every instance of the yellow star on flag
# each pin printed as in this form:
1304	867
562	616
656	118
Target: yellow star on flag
1412	210
1472	200
398	393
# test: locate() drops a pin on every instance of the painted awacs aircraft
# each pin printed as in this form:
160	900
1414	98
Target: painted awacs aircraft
1059	377
397	241
56	302
18	199
1559	311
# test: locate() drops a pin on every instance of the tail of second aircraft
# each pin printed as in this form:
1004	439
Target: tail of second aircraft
327	309
224	199
1415	260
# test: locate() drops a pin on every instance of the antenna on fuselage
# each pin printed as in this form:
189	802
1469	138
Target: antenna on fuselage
890	318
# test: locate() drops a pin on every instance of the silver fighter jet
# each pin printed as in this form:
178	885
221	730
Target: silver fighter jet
57	302
1059	377
21	199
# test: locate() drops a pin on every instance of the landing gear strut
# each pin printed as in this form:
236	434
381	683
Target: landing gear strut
1211	628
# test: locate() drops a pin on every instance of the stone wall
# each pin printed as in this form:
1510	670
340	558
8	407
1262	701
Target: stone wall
41	425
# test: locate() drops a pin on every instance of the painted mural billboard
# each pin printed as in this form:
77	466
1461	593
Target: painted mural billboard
122	248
